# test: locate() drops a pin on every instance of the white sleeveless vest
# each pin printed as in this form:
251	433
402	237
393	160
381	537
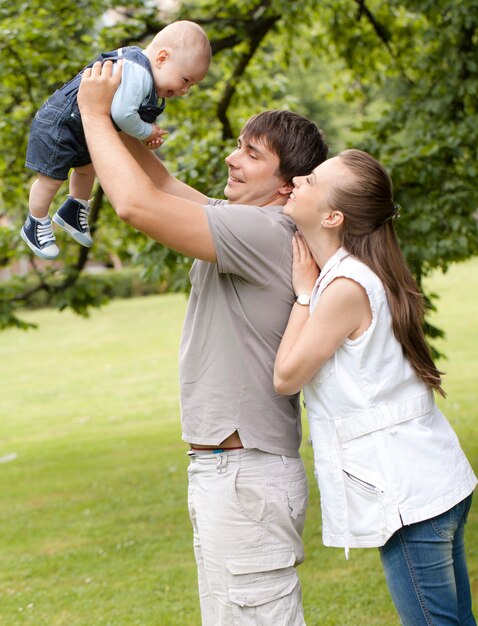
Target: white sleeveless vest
385	456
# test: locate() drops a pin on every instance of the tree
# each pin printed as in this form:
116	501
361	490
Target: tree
402	78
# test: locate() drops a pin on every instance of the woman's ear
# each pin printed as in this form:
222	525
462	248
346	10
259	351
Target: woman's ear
333	220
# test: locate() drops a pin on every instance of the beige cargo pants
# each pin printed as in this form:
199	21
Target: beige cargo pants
247	509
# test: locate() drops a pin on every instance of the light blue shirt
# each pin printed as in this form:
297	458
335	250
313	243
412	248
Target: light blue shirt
134	89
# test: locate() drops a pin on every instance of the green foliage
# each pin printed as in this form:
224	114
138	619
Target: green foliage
423	67
93	289
397	79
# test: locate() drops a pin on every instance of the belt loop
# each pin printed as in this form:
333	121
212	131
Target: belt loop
284	459
221	466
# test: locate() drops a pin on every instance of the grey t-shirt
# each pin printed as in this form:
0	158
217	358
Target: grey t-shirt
237	312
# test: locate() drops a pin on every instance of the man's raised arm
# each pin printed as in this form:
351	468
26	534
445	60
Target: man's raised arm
159	174
131	179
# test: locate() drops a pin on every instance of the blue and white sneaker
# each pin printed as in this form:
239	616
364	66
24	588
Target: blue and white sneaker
72	216
40	238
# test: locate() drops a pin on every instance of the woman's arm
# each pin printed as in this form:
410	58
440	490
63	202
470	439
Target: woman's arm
310	340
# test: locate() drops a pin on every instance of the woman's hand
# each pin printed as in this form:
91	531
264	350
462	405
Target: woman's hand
304	268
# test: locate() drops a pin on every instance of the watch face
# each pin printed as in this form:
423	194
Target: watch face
303	299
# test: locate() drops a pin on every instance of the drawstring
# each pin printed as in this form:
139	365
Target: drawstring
344	497
221	466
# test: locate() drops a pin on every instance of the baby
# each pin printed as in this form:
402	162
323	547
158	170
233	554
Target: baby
177	58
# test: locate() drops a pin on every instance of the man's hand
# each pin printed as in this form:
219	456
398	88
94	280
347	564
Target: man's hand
98	87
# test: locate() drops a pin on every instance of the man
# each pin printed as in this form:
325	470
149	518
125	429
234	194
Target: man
247	485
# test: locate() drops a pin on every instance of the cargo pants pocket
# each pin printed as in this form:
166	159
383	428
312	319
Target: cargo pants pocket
264	589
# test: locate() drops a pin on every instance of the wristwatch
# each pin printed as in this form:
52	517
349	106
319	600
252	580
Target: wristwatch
303	299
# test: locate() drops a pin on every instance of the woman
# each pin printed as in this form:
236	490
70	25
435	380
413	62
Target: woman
390	468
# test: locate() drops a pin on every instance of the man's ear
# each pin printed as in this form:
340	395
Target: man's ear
286	189
162	56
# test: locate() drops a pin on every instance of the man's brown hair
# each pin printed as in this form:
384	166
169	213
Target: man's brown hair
295	139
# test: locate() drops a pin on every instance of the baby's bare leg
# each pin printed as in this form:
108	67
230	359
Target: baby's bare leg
81	182
42	193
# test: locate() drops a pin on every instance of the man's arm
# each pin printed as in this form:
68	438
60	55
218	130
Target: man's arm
158	173
177	222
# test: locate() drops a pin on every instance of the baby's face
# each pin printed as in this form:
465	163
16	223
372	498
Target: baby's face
175	75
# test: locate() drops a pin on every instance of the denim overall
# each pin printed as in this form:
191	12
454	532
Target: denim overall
57	141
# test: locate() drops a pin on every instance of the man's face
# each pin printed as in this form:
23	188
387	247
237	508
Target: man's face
253	175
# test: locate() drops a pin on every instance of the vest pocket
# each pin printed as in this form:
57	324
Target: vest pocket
366	515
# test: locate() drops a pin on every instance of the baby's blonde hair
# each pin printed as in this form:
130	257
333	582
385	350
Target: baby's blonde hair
182	35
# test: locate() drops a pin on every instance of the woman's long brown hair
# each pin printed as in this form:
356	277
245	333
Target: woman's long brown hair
366	201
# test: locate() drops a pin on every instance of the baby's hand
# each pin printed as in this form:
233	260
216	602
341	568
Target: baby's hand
155	140
304	268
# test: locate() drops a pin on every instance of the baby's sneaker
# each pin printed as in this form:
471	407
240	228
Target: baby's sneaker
72	216
40	238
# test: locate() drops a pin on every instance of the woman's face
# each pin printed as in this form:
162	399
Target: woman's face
308	203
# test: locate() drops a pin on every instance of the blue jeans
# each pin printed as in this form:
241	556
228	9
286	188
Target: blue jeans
426	571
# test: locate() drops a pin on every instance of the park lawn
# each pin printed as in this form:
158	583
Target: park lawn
93	512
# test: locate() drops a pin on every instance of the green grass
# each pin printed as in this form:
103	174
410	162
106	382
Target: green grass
93	514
